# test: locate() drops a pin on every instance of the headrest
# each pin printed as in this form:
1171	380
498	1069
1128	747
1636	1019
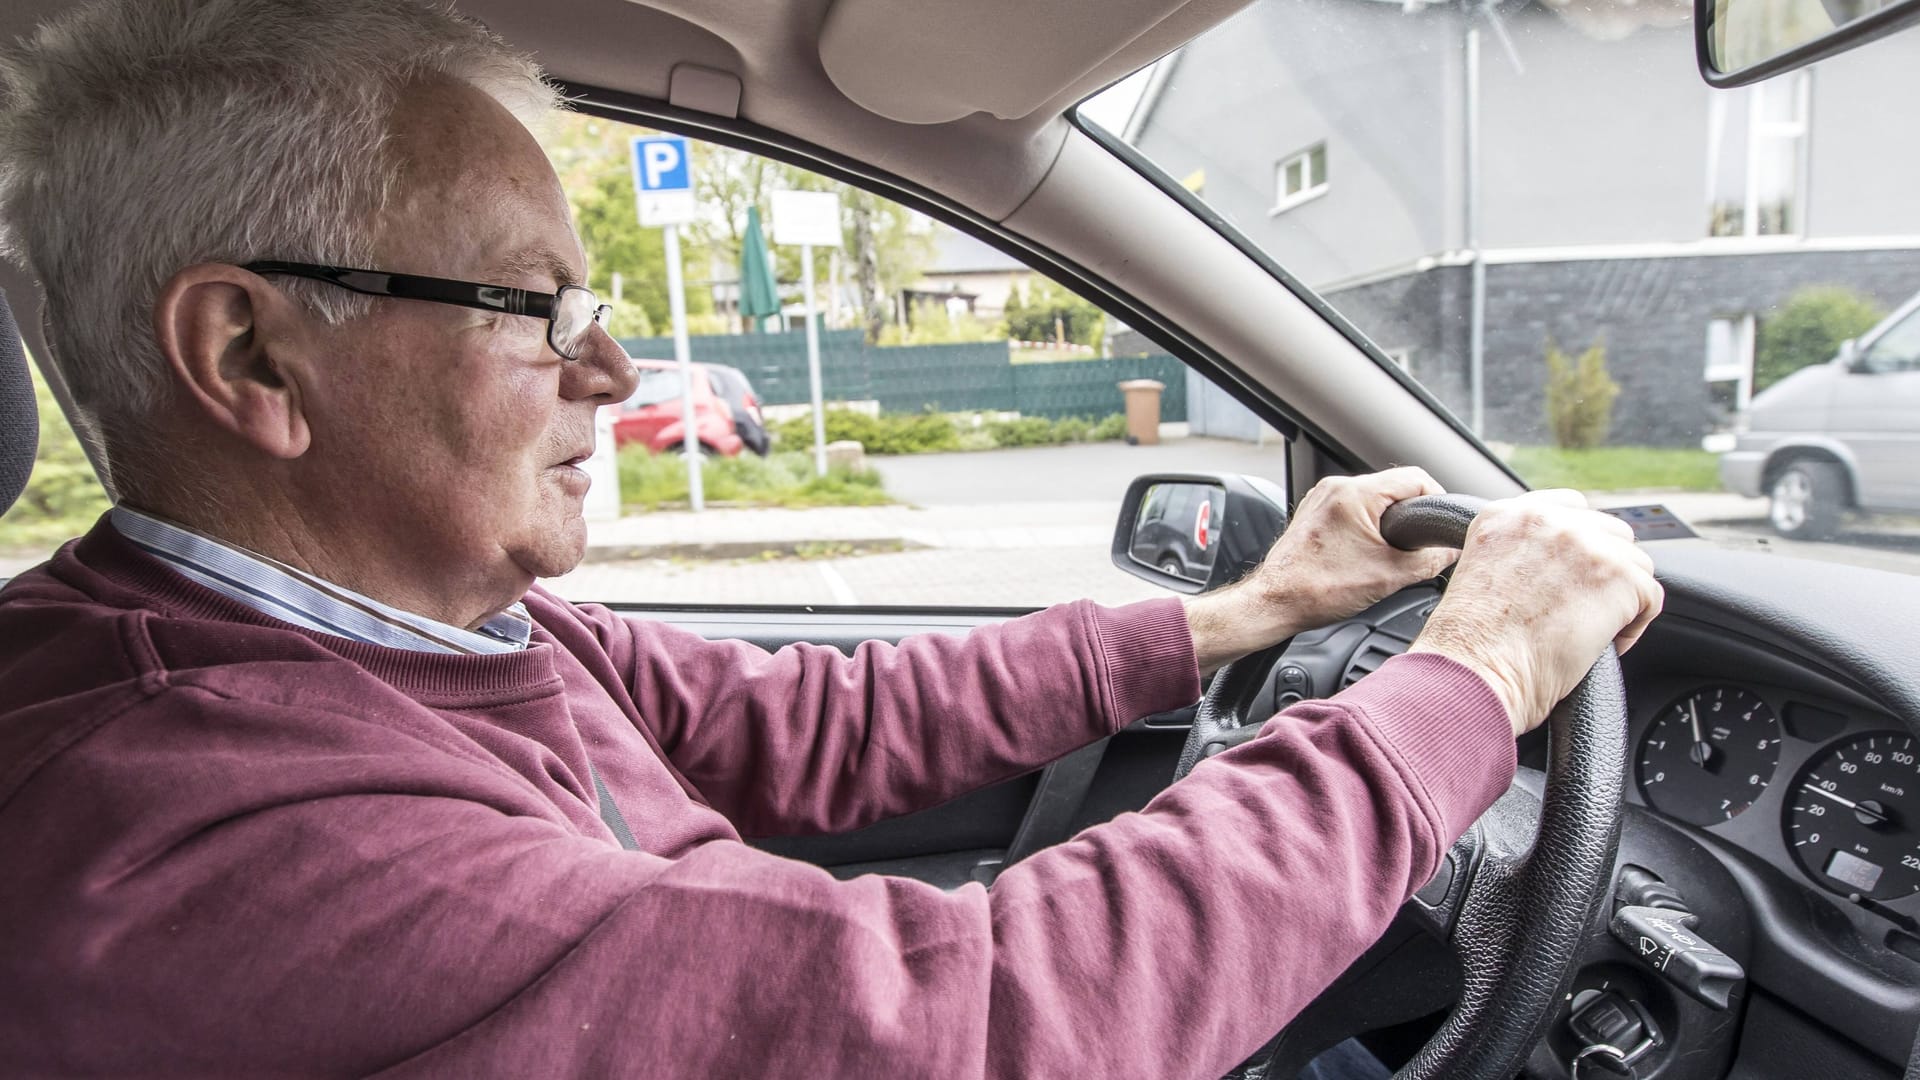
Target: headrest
19	416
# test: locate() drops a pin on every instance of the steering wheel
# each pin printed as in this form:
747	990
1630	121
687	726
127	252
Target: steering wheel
1516	895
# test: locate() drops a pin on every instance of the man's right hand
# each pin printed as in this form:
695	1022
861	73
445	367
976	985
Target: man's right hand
1543	585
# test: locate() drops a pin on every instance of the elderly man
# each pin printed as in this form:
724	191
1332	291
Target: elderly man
300	772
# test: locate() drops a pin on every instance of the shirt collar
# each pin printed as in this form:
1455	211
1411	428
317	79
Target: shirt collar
292	595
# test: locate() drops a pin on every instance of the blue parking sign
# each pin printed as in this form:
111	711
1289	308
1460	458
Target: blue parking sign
660	163
663	180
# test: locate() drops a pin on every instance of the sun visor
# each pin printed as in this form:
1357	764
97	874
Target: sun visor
934	63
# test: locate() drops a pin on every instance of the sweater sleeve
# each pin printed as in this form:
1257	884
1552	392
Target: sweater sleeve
809	739
361	910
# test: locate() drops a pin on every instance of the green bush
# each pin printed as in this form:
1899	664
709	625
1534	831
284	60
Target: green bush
888	433
1808	330
63	497
931	432
649	481
1580	397
1109	429
1026	431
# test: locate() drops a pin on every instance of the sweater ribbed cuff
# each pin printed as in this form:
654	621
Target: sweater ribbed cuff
1449	729
1148	655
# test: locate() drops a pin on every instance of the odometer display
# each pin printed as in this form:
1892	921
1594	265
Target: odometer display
1852	816
1707	756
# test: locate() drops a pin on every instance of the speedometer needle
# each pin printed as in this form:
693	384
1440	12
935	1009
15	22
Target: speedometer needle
1869	812
1702	751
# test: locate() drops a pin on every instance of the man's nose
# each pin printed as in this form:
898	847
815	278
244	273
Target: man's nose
604	370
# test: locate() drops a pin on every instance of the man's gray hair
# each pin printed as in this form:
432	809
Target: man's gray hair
138	137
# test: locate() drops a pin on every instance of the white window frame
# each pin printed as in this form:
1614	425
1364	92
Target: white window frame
1314	187
1739	370
1759	133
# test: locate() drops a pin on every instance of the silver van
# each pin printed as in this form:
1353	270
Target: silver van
1837	436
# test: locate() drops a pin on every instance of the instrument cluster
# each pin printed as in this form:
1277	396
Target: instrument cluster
1817	787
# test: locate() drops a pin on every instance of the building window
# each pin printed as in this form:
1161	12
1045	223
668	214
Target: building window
1300	177
1729	369
1757	158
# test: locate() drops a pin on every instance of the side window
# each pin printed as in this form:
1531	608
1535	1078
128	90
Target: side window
62	498
977	439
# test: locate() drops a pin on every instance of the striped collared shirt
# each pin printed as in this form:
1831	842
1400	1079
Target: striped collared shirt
275	589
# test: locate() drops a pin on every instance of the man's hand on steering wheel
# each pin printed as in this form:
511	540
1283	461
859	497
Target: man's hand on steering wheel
1543	586
1330	563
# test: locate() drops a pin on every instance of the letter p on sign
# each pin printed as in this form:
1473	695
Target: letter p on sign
663	180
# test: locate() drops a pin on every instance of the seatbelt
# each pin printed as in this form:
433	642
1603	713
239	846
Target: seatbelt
610	813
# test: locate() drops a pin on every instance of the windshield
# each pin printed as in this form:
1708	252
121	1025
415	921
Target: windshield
655	386
1602	266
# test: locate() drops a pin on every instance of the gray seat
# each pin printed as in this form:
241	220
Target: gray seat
19	417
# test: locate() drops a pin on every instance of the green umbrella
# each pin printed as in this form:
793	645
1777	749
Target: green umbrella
758	297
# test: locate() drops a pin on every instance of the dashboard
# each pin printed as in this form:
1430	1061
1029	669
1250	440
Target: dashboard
1773	783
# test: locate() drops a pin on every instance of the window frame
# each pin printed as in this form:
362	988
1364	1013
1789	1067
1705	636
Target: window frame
1312	187
1758	135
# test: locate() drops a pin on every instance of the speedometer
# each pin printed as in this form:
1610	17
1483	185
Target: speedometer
1853	817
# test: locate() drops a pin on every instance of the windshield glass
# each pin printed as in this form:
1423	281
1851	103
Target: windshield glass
1601	265
655	386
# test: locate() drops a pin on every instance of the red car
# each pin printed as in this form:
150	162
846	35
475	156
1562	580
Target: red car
726	414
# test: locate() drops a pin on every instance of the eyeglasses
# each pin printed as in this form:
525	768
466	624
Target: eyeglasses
570	313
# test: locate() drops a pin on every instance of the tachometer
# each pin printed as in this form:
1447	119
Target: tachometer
1853	817
1709	755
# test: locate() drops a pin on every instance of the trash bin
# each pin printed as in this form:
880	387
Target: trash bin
1143	410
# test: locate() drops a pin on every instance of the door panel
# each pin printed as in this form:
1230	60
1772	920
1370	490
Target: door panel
965	839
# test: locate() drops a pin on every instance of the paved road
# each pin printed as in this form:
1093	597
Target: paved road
1080	472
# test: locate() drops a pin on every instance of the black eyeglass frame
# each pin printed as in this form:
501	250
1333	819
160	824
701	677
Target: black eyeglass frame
437	290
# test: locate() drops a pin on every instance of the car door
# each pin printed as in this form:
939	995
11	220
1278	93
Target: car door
988	484
1876	412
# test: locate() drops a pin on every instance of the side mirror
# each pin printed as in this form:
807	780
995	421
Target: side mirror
1849	355
1194	532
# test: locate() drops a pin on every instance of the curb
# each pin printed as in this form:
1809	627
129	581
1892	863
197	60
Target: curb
747	549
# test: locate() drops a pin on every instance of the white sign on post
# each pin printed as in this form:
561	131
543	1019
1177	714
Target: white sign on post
806	217
663	180
663	194
809	218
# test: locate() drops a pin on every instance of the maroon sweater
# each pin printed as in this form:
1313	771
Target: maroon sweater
236	847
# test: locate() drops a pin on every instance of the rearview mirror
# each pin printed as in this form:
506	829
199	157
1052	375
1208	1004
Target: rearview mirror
1192	532
1743	41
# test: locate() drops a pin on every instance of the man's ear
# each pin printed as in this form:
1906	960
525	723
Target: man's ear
236	345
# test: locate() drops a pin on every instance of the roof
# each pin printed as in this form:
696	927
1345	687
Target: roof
956	252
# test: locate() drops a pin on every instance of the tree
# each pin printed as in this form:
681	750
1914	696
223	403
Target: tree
1045	311
62	493
1808	329
1580	397
888	244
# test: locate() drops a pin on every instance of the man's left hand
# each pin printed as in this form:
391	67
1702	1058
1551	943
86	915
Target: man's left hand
1330	563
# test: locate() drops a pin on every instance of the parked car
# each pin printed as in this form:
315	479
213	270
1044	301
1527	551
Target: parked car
1839	436
726	414
1175	528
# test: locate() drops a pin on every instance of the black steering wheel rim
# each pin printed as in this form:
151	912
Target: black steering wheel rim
1529	879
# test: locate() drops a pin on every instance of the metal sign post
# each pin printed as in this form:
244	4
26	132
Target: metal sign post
663	193
807	218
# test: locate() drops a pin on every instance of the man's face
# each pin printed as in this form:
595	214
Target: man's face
451	433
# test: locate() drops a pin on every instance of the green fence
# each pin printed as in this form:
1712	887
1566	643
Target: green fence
910	378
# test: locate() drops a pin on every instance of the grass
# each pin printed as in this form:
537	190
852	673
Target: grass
649	481
1617	468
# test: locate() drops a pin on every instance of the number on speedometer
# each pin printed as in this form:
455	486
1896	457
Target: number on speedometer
1853	818
1709	755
